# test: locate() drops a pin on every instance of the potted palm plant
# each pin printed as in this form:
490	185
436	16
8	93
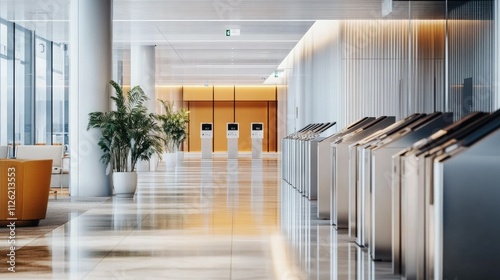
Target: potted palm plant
129	133
174	128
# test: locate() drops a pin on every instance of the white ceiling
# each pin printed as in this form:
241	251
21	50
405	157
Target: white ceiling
190	34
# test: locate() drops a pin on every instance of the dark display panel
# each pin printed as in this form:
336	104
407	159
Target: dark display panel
206	126
256	126
232	126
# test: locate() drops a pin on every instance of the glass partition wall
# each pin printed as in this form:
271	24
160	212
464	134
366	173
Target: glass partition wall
33	88
6	82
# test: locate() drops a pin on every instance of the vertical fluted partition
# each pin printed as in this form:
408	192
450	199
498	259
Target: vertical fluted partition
393	67
427	58
471	55
345	70
374	57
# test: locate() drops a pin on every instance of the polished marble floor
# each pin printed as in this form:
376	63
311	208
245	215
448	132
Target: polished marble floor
218	219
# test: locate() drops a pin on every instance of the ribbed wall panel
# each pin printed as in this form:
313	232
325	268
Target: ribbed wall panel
346	70
471	34
393	67
427	55
374	66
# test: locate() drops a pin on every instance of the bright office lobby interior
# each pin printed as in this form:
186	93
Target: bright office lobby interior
308	61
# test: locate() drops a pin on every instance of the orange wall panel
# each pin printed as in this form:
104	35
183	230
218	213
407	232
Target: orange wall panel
216	104
223	113
197	93
199	112
255	93
246	113
224	93
273	129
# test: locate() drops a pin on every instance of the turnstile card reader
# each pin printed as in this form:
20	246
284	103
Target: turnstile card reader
362	210
339	151
310	189
324	166
257	134
257	130
465	207
381	172
357	195
232	135
410	166
206	135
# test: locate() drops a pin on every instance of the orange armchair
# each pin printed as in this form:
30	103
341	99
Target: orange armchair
31	187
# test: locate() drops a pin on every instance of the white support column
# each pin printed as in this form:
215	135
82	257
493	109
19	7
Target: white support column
142	73
143	70
91	69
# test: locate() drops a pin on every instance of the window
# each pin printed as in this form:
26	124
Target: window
60	97
33	88
43	93
6	82
23	90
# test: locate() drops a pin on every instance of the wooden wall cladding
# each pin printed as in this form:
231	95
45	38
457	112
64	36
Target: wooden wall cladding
255	93
223	104
246	113
223	93
223	113
199	112
198	93
272	127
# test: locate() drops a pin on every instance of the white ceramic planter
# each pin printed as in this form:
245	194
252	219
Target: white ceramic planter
170	161
124	183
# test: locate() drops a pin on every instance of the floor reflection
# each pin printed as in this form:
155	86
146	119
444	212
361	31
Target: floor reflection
212	219
321	251
208	219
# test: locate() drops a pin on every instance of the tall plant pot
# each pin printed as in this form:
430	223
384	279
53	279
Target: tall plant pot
170	161
124	183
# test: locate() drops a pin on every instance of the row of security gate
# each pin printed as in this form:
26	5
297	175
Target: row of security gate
297	148
422	192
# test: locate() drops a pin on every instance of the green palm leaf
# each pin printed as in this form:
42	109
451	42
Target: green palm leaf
128	133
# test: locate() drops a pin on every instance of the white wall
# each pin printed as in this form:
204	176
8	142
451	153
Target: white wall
313	77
